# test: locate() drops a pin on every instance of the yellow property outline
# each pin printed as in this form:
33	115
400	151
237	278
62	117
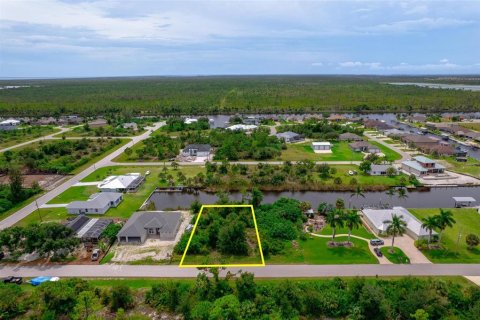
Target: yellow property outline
224	265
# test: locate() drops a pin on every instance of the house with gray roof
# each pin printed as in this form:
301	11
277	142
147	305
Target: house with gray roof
150	224
363	146
348	136
197	150
376	219
421	166
98	203
290	136
380	169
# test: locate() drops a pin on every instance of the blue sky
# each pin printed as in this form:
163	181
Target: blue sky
53	38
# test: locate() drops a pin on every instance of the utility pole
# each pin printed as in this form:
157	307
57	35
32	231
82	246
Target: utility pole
459	237
38	211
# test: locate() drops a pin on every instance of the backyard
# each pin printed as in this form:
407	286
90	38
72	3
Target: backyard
471	167
467	221
303	151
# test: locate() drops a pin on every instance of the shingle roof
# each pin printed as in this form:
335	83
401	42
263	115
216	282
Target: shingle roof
349	136
97	200
135	226
287	134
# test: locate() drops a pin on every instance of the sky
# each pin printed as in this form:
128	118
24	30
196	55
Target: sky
70	38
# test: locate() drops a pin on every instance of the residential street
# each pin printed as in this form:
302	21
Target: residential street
25	211
270	271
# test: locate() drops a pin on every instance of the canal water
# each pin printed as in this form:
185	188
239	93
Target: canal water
434	198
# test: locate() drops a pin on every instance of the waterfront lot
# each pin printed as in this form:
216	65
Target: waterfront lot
467	221
471	167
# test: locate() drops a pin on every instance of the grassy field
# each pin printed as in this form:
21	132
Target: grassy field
363	180
390	154
75	193
472	125
397	257
108	131
361	232
468	221
23	134
314	250
303	151
471	167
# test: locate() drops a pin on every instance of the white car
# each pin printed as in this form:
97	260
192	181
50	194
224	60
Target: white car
147	173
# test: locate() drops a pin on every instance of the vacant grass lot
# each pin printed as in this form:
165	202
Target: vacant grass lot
471	167
303	151
390	154
75	193
472	126
23	134
397	256
314	250
468	221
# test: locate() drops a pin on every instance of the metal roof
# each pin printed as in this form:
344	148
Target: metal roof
464	199
97	200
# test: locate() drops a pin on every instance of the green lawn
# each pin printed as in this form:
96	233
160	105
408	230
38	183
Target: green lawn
75	194
468	221
362	179
389	153
472	125
471	167
314	250
397	257
361	232
23	134
303	151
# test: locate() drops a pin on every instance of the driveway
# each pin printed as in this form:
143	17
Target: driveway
407	245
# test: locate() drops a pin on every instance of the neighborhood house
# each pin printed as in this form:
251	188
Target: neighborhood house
197	150
376	219
124	183
290	136
381	169
421	166
98	203
10	124
363	146
130	125
347	136
322	147
88	230
150	224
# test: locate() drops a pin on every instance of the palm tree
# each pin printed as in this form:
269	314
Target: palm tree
402	193
335	219
352	221
396	227
430	223
390	192
358	192
444	219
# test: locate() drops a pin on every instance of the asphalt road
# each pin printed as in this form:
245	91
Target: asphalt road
106	161
270	271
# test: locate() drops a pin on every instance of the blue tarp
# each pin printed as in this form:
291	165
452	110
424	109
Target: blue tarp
39	280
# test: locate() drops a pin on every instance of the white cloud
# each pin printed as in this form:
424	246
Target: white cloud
317	64
358	64
417	25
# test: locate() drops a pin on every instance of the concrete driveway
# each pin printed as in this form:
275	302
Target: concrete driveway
407	245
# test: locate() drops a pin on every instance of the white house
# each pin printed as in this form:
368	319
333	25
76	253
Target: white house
124	183
98	203
376	218
130	125
322	147
190	120
9	124
243	127
421	166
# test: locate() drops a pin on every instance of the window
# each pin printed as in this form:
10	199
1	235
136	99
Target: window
151	231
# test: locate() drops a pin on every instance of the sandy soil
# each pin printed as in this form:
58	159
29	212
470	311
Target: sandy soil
46	181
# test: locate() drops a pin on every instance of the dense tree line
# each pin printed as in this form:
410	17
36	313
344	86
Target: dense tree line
14	193
244	298
47	239
220	95
320	129
29	132
59	156
174	124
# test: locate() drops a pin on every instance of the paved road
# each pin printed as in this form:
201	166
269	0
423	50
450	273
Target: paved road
270	271
147	163
22	213
47	137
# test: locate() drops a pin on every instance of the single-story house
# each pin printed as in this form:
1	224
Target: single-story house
88	230
130	125
336	117
394	133
251	120
376	124
9	124
123	183
348	136
321	146
190	120
438	148
150	224
289	136
197	150
363	146
376	218
98	203
380	169
98	123
416	139
421	166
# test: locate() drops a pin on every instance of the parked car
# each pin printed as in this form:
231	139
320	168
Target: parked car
11	279
378	252
377	242
95	254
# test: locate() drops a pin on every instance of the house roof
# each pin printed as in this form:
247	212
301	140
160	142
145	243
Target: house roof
415	165
199	147
380	167
135	226
287	134
97	200
119	182
322	143
85	227
244	127
349	135
10	122
416	138
378	216
423	159
361	144
464	199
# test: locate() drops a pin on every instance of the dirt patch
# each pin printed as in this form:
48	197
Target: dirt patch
46	181
154	249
